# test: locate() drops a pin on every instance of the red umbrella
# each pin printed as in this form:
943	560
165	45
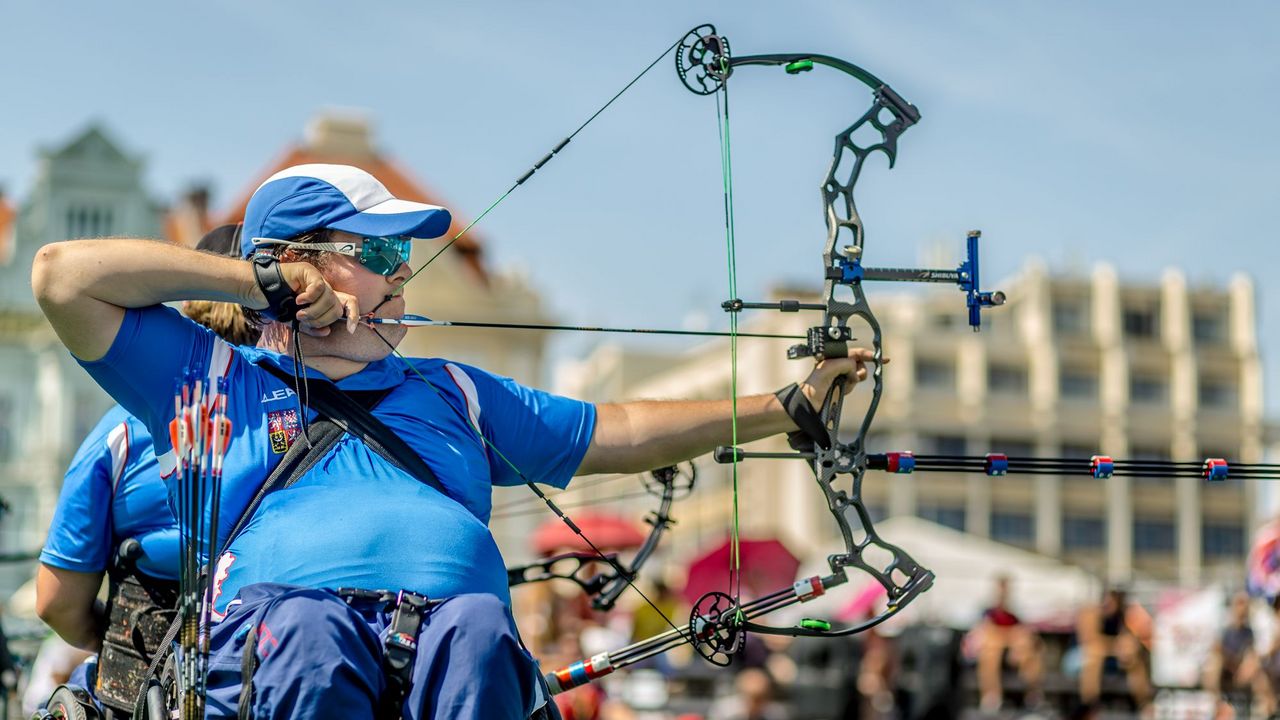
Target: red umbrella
766	566
608	532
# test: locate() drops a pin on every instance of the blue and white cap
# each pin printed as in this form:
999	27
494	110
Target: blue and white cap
303	198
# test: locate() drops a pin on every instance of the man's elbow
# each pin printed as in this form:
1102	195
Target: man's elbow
52	610
46	271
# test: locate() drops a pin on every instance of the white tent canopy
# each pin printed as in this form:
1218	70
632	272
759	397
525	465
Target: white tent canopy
965	567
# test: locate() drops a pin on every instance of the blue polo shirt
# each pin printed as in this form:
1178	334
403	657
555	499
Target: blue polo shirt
355	520
112	491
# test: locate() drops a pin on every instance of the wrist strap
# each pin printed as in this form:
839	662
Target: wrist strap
800	410
281	299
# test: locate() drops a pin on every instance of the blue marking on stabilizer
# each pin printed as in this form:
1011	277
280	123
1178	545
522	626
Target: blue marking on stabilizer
578	672
906	463
997	464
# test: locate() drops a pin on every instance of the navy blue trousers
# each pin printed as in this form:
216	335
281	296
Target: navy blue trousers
319	657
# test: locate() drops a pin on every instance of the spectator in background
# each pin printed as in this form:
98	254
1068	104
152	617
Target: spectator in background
1233	664
1269	683
753	699
650	620
1114	634
1000	631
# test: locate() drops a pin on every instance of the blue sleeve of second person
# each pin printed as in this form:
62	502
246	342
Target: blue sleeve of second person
80	534
545	436
154	347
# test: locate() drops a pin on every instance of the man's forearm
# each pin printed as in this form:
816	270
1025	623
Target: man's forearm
642	435
139	273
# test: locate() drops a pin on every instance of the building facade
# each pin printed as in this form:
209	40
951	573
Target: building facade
1070	366
86	188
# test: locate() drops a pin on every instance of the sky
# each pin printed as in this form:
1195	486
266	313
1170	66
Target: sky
1141	134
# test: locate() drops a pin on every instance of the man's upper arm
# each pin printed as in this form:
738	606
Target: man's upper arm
87	326
544	436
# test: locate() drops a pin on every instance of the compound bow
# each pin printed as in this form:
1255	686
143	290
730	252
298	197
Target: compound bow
719	621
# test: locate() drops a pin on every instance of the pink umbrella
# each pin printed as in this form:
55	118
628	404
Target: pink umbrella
862	604
766	566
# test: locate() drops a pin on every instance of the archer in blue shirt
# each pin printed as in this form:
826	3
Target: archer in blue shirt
111	492
329	243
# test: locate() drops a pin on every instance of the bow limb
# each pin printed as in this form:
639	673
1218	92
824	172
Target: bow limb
605	587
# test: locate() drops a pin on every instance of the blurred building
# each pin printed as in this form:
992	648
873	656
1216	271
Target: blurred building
88	187
1071	366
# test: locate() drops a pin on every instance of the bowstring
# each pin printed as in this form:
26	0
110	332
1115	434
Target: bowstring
726	171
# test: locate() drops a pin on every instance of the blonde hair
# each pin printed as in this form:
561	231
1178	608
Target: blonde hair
224	318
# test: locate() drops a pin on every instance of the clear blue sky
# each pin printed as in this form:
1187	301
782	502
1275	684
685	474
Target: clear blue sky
1139	133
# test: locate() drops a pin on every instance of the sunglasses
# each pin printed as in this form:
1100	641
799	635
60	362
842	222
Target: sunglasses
382	255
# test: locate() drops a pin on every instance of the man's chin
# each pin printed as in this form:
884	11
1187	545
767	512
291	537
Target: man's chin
364	345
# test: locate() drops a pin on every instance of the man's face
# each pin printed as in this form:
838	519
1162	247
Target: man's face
346	274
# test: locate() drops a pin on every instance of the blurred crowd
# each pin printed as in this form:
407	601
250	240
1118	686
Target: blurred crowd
1002	666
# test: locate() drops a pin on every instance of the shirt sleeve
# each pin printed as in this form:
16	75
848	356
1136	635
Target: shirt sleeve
80	535
532	433
153	349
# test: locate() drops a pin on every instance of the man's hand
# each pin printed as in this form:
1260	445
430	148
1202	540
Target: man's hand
321	305
848	371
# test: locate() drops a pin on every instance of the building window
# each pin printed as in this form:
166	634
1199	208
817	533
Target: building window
1217	394
1154	536
943	321
1079	451
951	516
1013	527
1147	390
1222	540
935	374
1014	448
944	444
1069	318
1007	379
1217	452
1159	453
1078	385
1139	323
1207	328
1083	532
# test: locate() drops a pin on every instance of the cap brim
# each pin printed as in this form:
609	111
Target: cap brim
224	240
397	217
